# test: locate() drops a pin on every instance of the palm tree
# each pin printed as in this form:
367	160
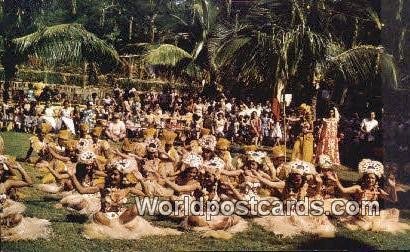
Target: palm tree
61	44
277	43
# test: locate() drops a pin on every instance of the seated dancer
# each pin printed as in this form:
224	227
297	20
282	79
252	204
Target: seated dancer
169	139
58	168
329	192
38	143
286	221
88	173
116	130
114	220
84	129
249	184
13	225
196	181
222	147
100	147
154	169
370	189
208	143
57	154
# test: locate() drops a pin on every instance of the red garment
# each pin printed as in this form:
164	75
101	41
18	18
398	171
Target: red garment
276	109
256	127
328	143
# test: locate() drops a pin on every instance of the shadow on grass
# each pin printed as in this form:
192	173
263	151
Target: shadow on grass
76	218
338	243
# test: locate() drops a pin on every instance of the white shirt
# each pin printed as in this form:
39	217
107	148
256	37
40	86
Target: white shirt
369	124
228	107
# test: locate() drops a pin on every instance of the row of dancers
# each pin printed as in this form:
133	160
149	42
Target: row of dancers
94	177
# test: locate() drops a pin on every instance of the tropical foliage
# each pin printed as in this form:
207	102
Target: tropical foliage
67	43
276	44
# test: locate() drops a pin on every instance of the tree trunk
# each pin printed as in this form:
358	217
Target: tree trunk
73	7
85	74
314	103
152	28
130	29
10	69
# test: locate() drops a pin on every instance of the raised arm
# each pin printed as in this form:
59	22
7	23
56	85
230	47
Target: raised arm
230	173
57	175
272	184
345	190
26	179
80	188
58	156
184	188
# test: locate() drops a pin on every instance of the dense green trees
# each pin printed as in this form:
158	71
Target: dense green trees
277	44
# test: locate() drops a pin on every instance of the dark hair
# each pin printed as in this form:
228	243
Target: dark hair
379	181
108	180
289	184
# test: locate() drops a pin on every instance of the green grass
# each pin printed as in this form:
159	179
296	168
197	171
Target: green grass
67	228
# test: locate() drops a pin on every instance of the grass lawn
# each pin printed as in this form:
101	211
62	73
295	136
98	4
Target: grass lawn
67	228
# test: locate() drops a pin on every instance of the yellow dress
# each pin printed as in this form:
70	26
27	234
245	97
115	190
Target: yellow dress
303	147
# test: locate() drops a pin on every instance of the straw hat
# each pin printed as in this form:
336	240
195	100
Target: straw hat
127	146
45	128
64	135
169	136
223	144
302	167
125	166
256	156
84	144
84	127
205	131
152	144
216	163
248	148
325	162
150	133
96	131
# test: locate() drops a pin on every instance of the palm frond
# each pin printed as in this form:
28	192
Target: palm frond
229	50
362	63
166	55
67	43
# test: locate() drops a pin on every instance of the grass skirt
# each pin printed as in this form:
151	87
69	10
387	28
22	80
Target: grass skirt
387	221
293	224
222	227
135	229
28	228
91	202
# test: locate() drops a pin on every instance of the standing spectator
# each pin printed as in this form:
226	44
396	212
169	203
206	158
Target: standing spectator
368	130
266	125
255	128
328	143
88	115
219	125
